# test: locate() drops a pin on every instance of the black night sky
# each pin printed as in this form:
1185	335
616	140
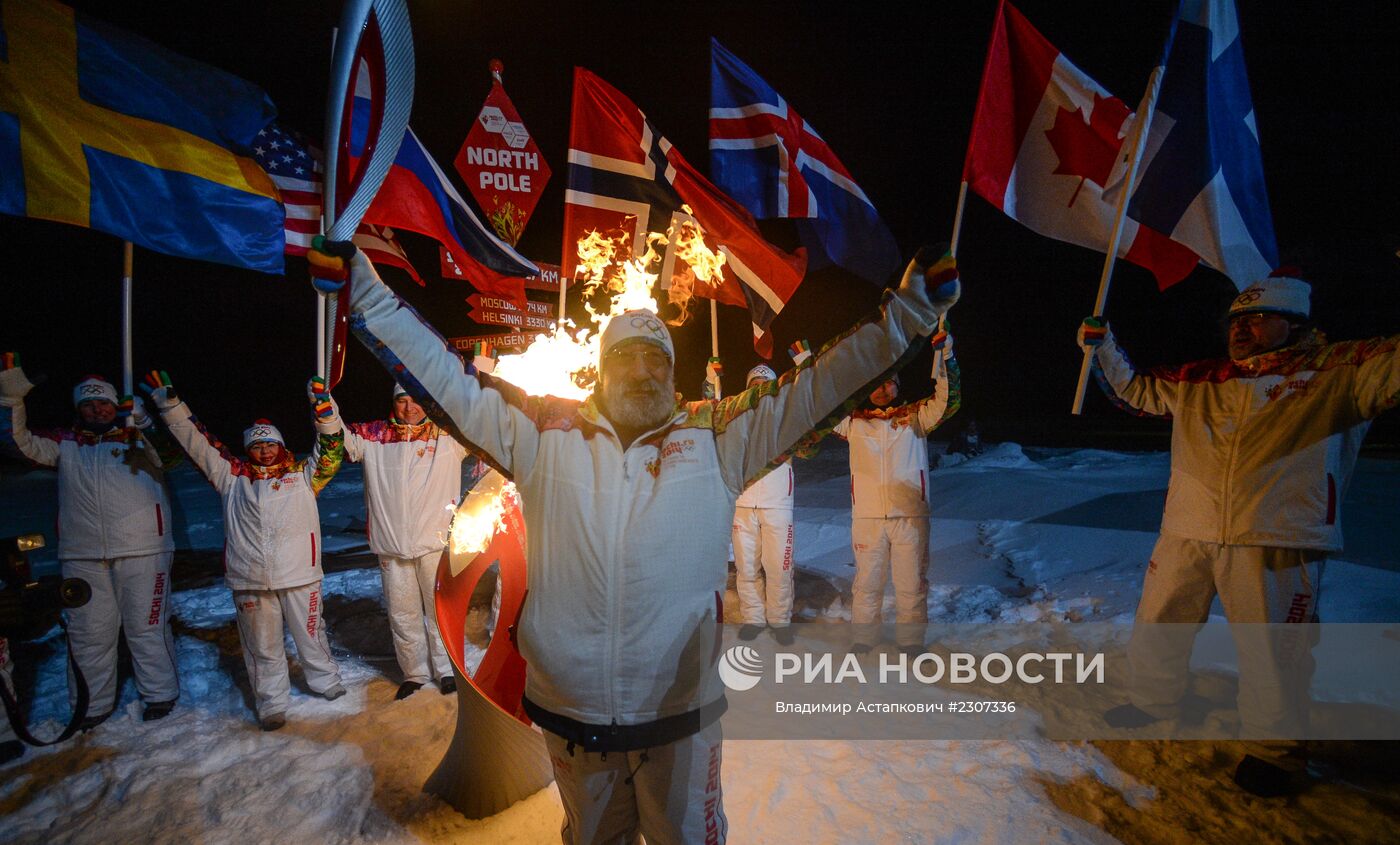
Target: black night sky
891	87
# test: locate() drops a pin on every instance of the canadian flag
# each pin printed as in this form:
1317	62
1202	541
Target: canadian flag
1049	147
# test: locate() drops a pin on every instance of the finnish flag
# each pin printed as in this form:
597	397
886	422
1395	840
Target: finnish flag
1202	179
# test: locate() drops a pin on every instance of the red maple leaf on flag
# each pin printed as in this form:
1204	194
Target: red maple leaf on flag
1088	150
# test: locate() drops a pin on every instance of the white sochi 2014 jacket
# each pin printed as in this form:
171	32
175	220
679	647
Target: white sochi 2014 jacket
889	450
272	528
1262	448
773	490
112	501
627	548
413	482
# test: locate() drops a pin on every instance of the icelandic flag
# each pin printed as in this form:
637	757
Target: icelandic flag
417	197
1202	178
776	165
624	175
103	129
1049	148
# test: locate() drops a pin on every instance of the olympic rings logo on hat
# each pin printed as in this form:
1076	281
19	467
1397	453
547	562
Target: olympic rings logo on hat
1250	295
91	390
648	322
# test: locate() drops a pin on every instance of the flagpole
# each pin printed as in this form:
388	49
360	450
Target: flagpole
327	191
127	387
957	219
714	343
1146	109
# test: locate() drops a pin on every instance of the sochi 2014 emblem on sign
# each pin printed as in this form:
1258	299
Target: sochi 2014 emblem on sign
502	165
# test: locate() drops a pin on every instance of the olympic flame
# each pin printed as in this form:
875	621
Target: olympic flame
480	515
701	264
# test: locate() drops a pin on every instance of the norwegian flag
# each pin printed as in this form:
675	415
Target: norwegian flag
775	164
295	168
624	175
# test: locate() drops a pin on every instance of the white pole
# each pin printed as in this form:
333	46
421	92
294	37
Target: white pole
127	379
327	214
320	334
1143	130
714	343
563	298
957	219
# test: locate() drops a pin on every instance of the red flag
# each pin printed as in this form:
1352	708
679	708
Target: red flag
624	175
1048	143
501	164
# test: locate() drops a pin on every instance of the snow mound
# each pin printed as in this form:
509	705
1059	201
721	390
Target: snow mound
999	456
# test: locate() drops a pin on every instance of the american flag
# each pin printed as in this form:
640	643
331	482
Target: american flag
295	168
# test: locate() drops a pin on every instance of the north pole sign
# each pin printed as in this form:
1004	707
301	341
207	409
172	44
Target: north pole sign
501	164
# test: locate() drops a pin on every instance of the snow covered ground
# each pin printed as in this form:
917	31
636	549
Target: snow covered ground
1018	535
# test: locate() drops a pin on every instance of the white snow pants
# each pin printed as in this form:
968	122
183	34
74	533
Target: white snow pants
408	590
260	617
130	594
669	794
7	733
894	545
1256	584
763	558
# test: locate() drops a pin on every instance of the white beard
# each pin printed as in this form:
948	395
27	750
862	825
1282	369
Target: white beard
644	411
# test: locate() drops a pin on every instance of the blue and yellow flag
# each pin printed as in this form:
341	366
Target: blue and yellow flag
103	129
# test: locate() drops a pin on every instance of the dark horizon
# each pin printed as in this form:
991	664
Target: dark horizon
892	90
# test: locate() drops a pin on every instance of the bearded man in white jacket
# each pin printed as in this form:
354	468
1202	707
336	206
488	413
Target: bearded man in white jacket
628	497
413	482
114	533
272	541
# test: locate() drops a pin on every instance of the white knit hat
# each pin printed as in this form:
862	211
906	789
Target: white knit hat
640	325
1278	294
262	431
762	371
398	391
94	387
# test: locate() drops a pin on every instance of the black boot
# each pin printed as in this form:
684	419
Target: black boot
406	689
91	722
1128	716
1262	778
447	685
11	749
157	710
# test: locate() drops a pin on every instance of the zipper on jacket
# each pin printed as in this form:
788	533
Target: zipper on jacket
1228	489
613	577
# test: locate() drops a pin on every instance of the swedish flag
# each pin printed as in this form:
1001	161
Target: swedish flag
103	129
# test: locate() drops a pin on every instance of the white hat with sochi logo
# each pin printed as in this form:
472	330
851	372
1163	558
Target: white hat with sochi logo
641	325
1281	293
262	431
762	371
94	387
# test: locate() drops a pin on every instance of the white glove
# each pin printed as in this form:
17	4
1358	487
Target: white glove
14	385
139	417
